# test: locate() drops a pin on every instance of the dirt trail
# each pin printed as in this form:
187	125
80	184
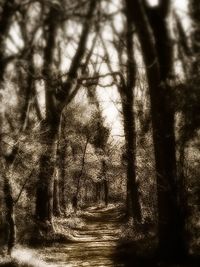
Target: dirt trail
95	243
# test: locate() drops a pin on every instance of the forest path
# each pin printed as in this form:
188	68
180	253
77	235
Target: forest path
96	242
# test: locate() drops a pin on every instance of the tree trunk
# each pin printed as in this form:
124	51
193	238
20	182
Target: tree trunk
10	220
106	192
98	192
130	138
57	176
8	197
104	180
170	224
62	166
45	185
56	195
127	98
186	212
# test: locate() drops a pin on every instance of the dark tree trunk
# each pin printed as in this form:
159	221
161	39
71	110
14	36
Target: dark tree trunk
8	196
133	205
158	21
62	166
10	220
170	223
45	185
57	176
56	196
127	98
186	210
104	182
98	192
49	129
182	179
106	192
8	199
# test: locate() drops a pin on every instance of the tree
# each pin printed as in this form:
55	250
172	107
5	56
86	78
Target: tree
125	86
56	100
153	37
8	10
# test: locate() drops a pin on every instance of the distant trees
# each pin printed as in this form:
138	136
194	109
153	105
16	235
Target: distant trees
125	82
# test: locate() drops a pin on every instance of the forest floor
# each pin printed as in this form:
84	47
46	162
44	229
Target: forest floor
96	242
93	242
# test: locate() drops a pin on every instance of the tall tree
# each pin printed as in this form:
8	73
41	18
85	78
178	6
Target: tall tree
5	22
56	100
49	127
154	40
127	98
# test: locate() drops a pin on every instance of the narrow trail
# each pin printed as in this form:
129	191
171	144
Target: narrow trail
95	244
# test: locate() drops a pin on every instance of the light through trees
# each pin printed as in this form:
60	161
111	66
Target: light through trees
100	129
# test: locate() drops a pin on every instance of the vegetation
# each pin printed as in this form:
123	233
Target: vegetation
63	169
